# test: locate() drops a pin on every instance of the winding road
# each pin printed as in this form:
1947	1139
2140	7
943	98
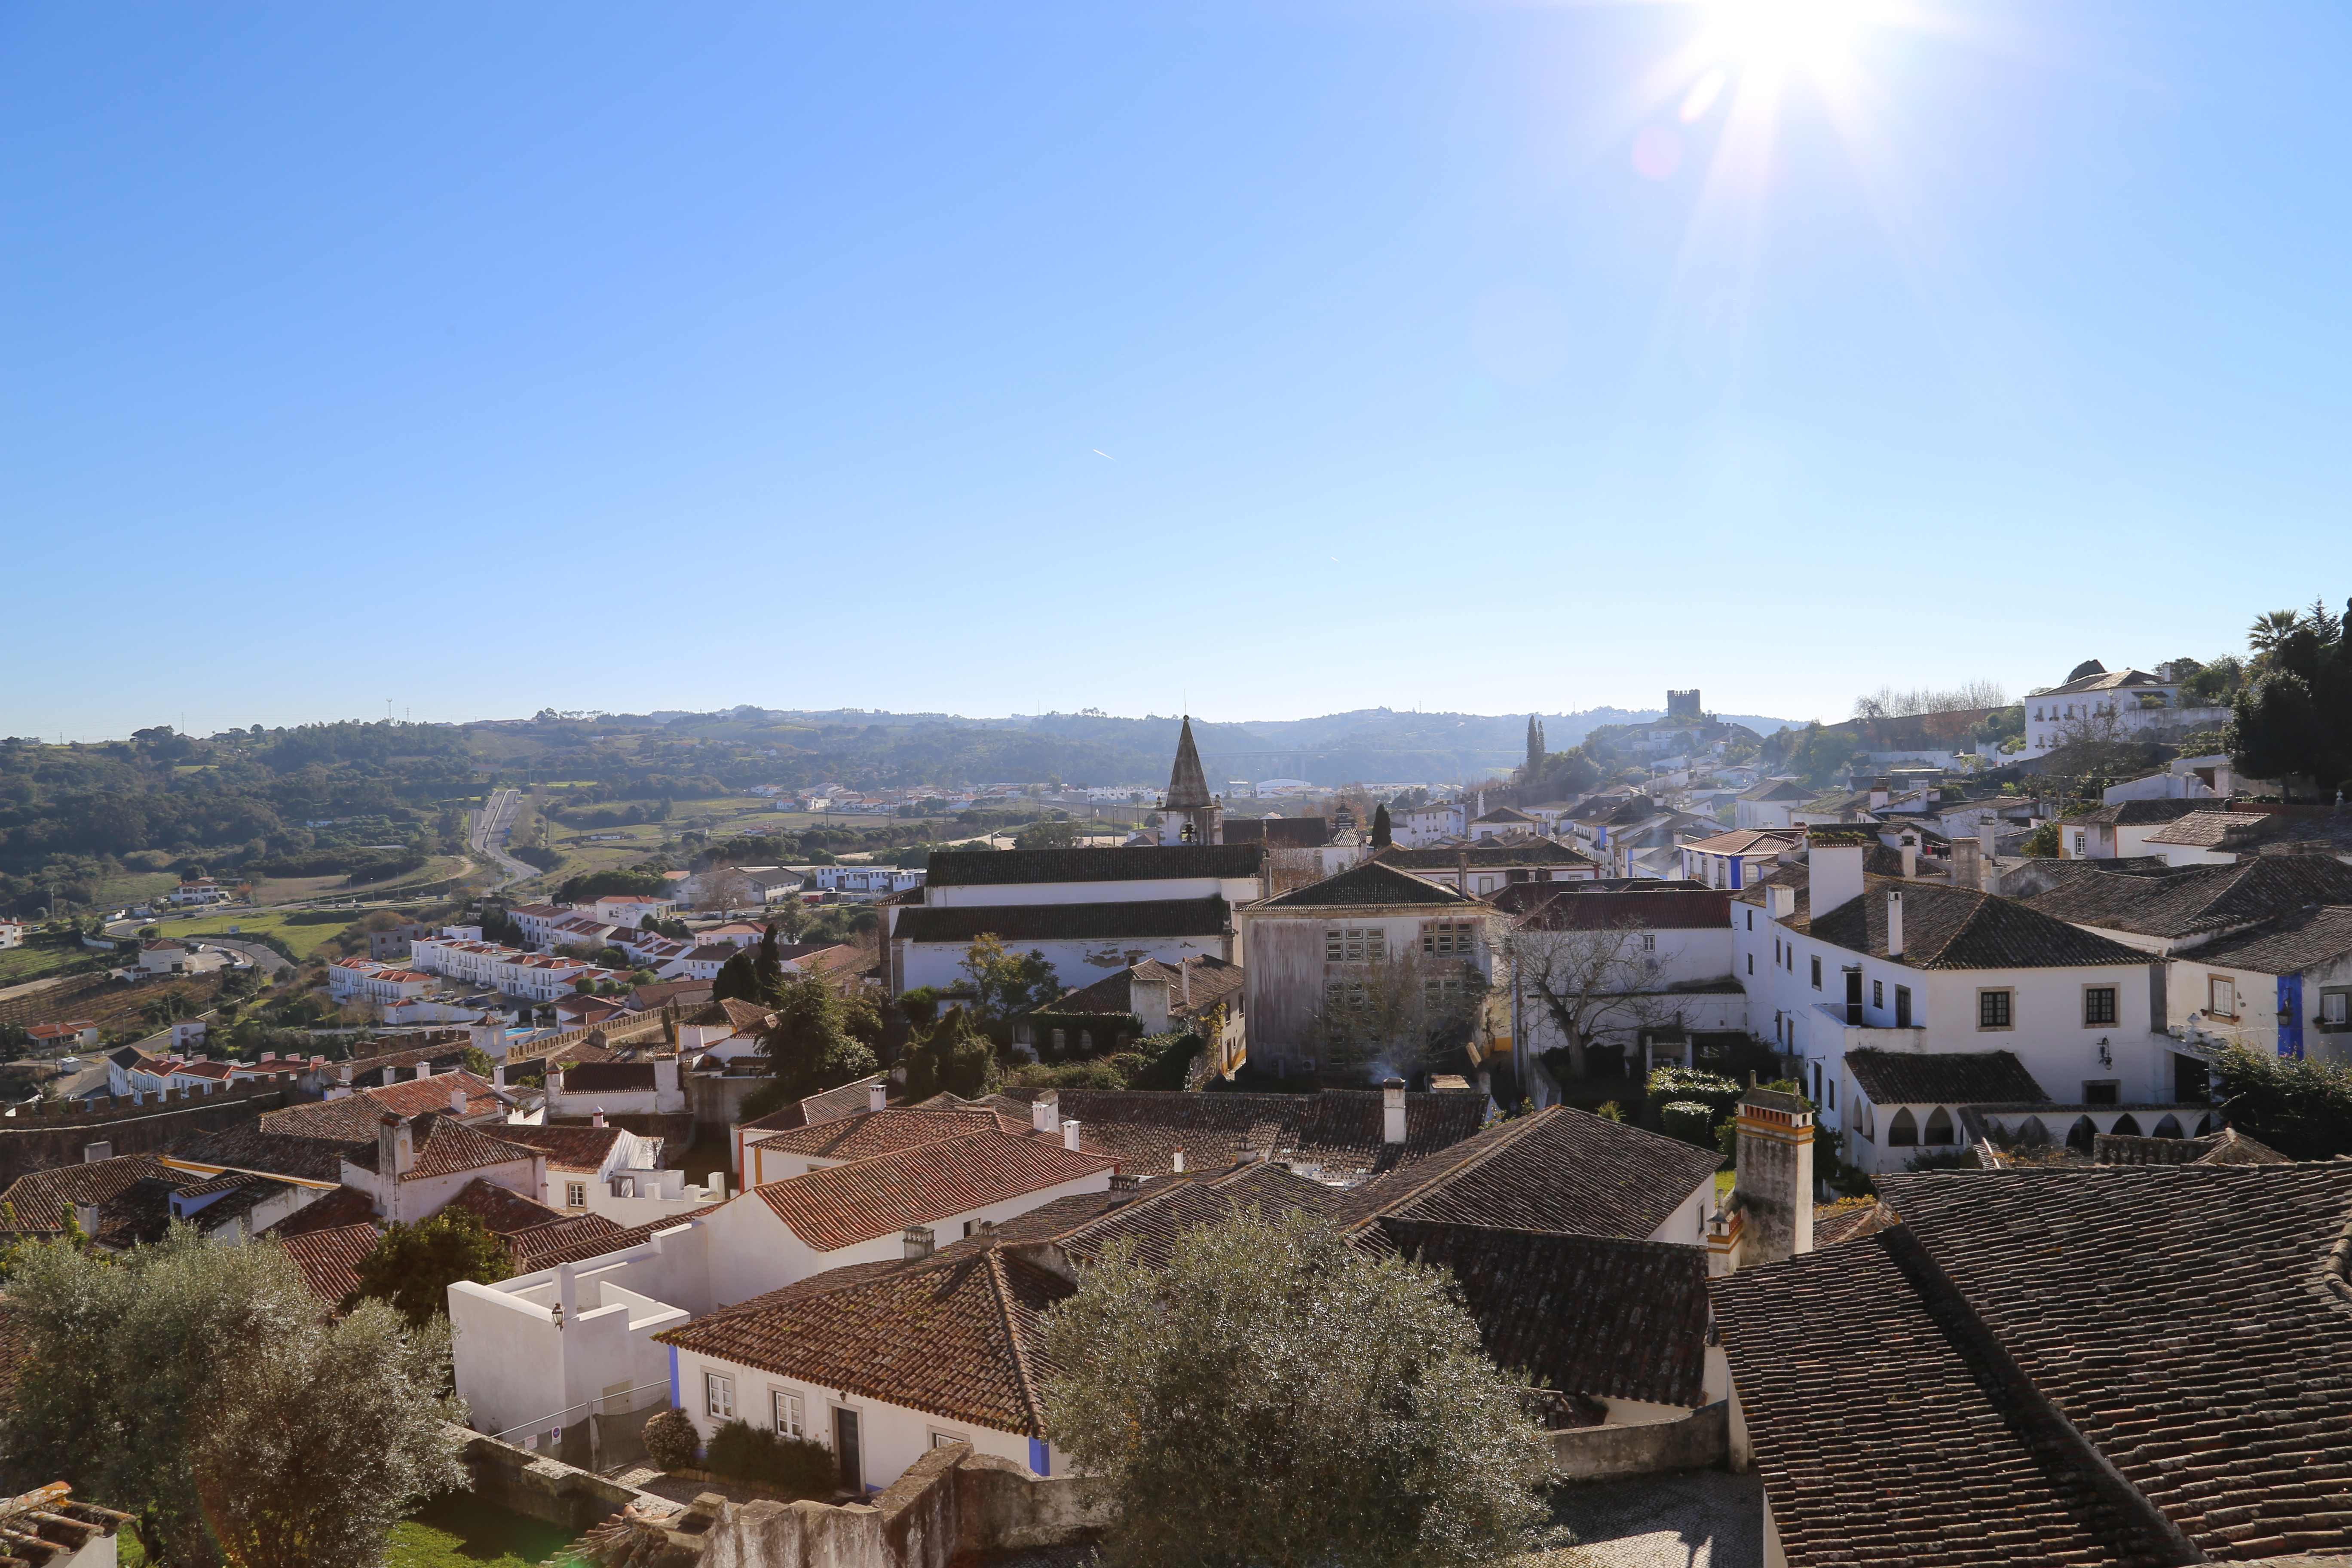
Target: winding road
492	825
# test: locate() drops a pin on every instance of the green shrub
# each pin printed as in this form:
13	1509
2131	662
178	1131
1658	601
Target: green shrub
794	1466
1612	1112
1688	1121
671	1440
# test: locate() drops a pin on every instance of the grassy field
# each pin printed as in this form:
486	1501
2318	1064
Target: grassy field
18	964
298	890
305	938
461	1531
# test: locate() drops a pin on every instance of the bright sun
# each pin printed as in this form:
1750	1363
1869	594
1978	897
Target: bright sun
1810	34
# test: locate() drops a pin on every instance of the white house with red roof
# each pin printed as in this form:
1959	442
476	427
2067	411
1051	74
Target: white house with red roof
12	934
630	909
179	1072
73	1034
363	980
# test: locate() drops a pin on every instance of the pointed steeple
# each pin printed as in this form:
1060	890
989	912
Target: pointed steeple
1188	787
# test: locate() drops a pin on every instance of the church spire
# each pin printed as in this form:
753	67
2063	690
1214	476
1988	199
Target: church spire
1188	787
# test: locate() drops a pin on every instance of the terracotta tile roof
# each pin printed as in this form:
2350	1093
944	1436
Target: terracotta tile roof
2289	944
1482	856
2131	813
344	1205
41	1198
1338	1131
1210	981
445	1148
1848	1218
1748	841
1944	1078
1597	1316
2227	1147
844	1205
1558	1170
1634	908
253	1147
2184	900
1053	922
846	1100
567	1147
1958	928
654	996
1085	1225
953	1337
1961	1401
502	1210
609	1077
735	1014
871	1132
1002	868
354	1116
330	1257
587	1236
2212	827
1372	882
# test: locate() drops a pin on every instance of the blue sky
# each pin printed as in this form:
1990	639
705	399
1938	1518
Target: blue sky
1265	358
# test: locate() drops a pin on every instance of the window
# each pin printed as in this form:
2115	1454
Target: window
2220	996
941	1439
787	1413
719	1397
1993	1010
1878	993
1442	994
1817	972
1939	1127
1903	1006
2078	844
1442	939
1751	919
2105	1092
2335	1008
1903	1130
1352	944
1649	942
1776	953
1751	964
2098	1005
575	1194
1347	993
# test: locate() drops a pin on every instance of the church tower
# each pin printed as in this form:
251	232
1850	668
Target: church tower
1190	814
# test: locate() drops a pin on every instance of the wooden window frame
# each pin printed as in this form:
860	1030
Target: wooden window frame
2114	1007
2007	995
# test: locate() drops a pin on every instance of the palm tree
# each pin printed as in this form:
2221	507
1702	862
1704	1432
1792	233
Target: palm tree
2269	631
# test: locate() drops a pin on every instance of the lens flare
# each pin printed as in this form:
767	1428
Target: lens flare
1813	34
1703	94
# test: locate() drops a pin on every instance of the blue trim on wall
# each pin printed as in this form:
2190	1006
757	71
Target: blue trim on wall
2290	1016
674	1402
1041	1457
1737	866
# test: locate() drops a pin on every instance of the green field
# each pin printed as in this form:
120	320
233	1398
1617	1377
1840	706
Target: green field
462	1532
304	938
18	964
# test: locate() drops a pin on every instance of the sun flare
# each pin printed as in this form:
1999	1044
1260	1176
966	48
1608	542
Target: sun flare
1812	35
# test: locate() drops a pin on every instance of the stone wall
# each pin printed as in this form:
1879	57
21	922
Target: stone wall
546	1488
1700	1440
52	1133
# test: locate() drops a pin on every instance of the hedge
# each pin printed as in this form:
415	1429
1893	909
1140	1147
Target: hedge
1688	1121
1719	1094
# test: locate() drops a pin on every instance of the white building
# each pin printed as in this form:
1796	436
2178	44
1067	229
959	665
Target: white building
1415	826
2124	704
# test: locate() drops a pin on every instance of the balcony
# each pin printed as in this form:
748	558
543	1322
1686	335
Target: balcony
1870	1036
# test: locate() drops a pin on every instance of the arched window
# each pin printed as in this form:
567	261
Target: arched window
1939	1127
2204	1127
1086	1041
2169	1126
2128	1126
1902	1130
2082	1134
2033	1134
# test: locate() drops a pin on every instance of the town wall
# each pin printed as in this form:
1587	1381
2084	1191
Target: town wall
43	1136
1700	1440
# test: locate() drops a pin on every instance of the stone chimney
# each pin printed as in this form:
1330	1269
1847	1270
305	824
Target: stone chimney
1988	832
1045	1112
396	1148
918	1240
1836	869
1070	1136
1392	1111
877	1098
1774	1183
1967	865
1894	925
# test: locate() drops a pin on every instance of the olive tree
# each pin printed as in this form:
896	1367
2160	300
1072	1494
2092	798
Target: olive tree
1273	1399
206	1389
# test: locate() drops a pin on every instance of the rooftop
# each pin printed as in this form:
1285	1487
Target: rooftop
1003	868
1338	1133
843	1205
1943	1078
1198	985
1959	928
2184	900
1372	882
960	925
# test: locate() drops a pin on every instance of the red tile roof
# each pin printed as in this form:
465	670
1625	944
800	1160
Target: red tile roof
844	1205
41	1198
567	1147
953	1337
444	1148
502	1210
872	1132
330	1258
344	1205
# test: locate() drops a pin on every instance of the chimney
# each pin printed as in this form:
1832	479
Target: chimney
1836	869
93	1152
1392	1111
1462	867
1987	828
457	1101
1122	1183
86	1216
878	1096
598	1120
1045	1112
1176	1161
1070	1136
1894	925
1774	1185
1968	870
424	1070
1879	790
498	1075
1779	901
918	1240
1908	847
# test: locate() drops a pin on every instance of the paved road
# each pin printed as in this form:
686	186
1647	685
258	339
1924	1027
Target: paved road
492	825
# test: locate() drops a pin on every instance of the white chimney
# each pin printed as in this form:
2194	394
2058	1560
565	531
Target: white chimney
423	1070
1176	1162
1894	925
1780	901
498	1075
457	1101
918	1240
1908	847
86	1216
1045	1112
1835	872
1392	1111
93	1152
598	1120
878	1096
1070	1135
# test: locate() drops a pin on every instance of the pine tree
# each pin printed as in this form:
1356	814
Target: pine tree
1382	834
1534	768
